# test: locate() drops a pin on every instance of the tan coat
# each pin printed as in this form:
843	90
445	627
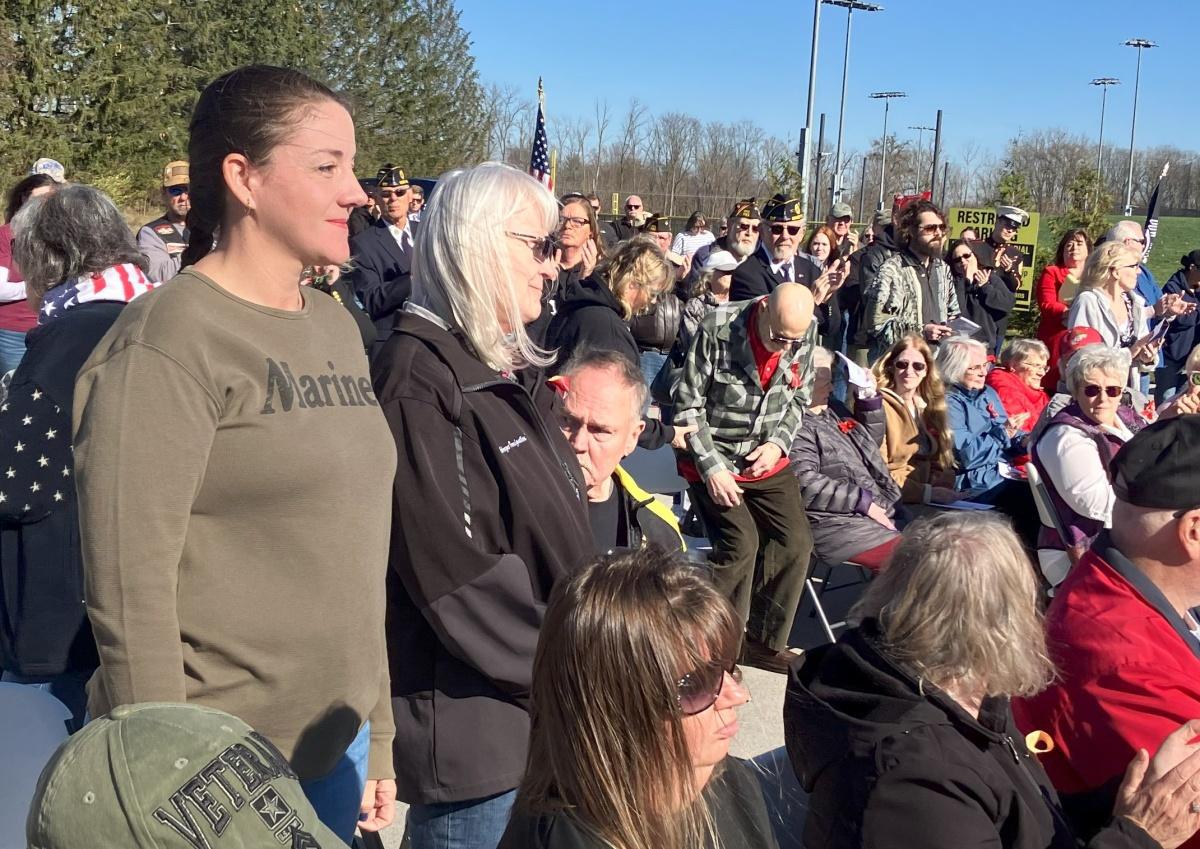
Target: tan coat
907	450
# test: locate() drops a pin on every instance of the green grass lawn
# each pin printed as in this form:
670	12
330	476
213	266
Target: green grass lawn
1176	237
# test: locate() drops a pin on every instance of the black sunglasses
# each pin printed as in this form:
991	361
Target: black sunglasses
793	229
753	228
698	691
902	365
1092	390
961	257
176	191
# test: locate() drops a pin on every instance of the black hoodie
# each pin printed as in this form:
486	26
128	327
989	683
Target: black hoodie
889	763
589	316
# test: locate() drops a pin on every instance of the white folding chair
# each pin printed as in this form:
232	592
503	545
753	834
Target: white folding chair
1045	505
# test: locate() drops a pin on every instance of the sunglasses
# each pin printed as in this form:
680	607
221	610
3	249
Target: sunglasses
1093	391
743	228
792	229
785	341
1009	224
388	195
961	257
176	191
633	206
698	691
543	247
904	365
933	228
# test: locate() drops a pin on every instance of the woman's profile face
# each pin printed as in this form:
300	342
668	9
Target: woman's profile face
710	731
529	269
303	195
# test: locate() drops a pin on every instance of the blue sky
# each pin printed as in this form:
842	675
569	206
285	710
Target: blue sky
995	68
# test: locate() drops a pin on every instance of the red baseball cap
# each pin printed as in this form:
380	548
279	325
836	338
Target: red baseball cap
1076	338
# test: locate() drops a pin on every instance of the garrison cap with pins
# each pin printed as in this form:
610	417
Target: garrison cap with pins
747	208
391	177
780	208
654	224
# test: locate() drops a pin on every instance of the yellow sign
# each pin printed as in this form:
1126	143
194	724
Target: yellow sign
616	204
983	221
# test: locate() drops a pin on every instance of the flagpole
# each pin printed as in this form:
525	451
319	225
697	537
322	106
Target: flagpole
553	168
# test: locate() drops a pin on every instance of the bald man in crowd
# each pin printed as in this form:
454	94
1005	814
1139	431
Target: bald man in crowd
745	384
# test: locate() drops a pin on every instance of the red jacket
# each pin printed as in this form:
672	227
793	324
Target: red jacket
1018	397
1053	321
1130	673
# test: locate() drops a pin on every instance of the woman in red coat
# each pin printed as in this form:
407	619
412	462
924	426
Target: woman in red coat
1055	291
1018	382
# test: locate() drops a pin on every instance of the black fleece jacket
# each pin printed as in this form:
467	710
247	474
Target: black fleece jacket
888	763
589	316
487	515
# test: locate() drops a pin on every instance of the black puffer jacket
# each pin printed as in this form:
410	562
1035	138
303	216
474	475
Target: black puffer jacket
841	473
888	765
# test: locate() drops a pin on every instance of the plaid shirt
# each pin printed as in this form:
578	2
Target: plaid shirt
720	391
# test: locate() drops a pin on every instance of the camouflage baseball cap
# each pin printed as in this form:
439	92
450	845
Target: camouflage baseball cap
167	776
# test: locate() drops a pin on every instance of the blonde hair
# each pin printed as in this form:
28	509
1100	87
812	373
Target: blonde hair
607	742
636	262
1100	261
958	607
460	269
932	391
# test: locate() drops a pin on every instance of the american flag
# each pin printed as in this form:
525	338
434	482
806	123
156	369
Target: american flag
539	156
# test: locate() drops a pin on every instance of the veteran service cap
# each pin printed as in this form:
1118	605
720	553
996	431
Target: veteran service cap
167	776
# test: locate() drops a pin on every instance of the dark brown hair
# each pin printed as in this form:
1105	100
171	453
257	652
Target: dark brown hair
22	190
906	225
1067	238
248	110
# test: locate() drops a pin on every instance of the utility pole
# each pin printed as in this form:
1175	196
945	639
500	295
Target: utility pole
921	152
886	97
851	6
1141	44
803	151
1104	83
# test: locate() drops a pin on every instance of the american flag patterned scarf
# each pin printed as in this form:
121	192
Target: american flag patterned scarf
120	283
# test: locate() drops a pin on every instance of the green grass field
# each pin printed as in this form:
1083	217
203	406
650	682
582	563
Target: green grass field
1176	237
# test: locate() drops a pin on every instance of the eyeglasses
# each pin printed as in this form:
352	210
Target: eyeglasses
543	247
744	227
961	257
792	229
933	228
909	365
1093	391
176	191
980	368
785	341
573	220
698	691
1131	265
1141	241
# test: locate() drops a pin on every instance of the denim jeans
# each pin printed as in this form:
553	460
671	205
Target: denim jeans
337	795
473	824
1169	380
12	348
70	688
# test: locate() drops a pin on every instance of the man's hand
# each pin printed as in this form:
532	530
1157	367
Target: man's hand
762	459
588	253
880	515
852	238
1187	404
935	332
1005	261
682	432
724	489
830	281
378	804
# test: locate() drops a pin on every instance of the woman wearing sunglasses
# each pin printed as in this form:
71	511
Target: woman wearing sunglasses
487	505
902	732
1072	454
635	697
982	294
909	421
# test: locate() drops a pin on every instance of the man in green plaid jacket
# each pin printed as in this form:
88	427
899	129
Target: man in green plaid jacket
746	383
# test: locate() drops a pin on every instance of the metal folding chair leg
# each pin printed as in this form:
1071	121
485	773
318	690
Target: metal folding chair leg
815	597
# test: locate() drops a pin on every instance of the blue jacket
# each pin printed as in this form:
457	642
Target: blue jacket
977	418
380	276
1150	291
1182	335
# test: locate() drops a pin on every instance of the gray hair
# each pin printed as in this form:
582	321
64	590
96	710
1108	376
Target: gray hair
1123	230
1114	361
822	357
628	375
1019	350
69	233
953	355
460	269
974	565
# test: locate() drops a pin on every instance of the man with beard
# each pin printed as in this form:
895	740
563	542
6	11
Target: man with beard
164	238
777	260
914	289
635	217
740	238
382	255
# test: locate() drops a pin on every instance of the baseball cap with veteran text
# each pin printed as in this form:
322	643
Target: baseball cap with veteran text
171	776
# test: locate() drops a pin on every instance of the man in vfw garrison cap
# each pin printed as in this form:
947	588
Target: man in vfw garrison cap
164	239
1122	627
740	239
778	260
381	256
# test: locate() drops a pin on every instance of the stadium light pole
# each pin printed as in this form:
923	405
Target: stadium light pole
803	152
1141	44
886	97
921	151
1104	83
851	6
